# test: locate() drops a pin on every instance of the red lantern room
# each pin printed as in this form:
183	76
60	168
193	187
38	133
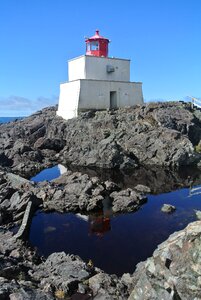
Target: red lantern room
97	45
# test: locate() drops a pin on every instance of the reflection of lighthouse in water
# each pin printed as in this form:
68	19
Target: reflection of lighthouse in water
99	222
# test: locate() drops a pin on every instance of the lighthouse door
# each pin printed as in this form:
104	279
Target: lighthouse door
113	100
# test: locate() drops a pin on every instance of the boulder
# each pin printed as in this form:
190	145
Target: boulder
127	200
168	208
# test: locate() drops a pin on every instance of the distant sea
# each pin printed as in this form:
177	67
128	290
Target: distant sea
8	119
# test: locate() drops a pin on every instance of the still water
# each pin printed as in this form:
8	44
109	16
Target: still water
115	243
47	174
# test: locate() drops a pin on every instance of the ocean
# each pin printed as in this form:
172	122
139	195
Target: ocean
8	119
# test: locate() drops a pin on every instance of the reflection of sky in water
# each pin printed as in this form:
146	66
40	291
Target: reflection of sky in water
114	243
49	173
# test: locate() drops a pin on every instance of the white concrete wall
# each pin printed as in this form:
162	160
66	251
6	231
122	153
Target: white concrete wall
93	67
95	94
82	95
68	99
96	68
76	68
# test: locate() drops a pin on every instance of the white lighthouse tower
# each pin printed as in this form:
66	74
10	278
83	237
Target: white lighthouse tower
97	82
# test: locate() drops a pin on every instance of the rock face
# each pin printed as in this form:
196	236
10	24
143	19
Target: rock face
154	134
173	272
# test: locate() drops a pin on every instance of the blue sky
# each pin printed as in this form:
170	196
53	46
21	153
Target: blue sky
161	37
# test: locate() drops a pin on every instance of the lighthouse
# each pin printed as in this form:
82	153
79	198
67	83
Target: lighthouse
97	82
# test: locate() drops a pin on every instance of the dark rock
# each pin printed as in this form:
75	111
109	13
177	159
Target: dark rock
61	271
1	218
51	144
173	271
4	160
153	134
29	294
20	147
104	286
127	200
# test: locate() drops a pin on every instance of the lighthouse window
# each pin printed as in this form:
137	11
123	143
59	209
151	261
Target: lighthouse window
94	46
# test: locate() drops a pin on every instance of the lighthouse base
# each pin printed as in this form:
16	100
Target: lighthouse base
86	94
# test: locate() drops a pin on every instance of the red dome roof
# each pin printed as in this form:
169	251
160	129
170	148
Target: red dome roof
97	36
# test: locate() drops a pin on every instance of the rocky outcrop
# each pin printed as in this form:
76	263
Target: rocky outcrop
154	134
173	272
15	194
127	200
80	192
72	192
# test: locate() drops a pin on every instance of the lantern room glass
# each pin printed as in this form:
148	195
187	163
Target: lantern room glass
94	46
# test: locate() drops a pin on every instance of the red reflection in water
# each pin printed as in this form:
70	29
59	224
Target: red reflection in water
99	225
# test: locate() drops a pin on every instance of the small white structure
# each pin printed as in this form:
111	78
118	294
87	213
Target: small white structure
97	82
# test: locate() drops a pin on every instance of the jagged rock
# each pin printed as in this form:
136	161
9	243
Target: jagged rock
104	286
52	144
20	147
168	208
127	200
153	134
14	290
62	271
142	188
17	181
29	294
173	272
